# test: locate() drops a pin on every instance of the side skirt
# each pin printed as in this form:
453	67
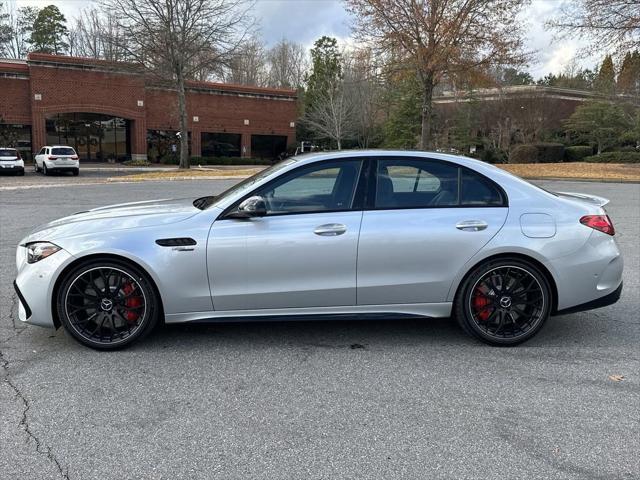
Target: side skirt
430	310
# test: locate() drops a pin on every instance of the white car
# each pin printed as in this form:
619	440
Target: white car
57	158
11	161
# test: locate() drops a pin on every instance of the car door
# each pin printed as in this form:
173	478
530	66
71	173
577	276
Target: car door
426	219
302	253
40	157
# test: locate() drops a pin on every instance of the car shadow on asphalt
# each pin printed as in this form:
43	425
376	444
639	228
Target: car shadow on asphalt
347	334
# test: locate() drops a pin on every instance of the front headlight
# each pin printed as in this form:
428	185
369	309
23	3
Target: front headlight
38	250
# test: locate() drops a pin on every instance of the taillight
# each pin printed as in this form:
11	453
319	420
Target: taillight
75	157
601	223
53	158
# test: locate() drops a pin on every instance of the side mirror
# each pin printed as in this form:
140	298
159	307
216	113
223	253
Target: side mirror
251	207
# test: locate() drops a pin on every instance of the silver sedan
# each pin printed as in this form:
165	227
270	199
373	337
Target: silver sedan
349	234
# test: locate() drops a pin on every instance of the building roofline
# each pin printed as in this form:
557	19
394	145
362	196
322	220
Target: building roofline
519	91
125	67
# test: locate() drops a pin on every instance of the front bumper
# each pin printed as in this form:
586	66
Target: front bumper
34	286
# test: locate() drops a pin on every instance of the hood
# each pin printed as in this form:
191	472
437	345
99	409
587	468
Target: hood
116	217
589	199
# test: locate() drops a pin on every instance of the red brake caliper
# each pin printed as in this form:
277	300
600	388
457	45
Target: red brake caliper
131	302
479	302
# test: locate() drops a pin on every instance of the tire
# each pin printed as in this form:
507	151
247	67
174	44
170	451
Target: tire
503	302
45	170
76	172
107	318
35	167
21	173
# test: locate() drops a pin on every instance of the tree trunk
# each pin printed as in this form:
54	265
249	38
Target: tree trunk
184	133
427	110
339	144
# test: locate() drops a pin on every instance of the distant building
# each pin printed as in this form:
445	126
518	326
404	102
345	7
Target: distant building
112	111
515	114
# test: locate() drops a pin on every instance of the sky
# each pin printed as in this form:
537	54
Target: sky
304	21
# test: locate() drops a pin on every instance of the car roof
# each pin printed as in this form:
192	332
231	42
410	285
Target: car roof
57	146
459	159
8	148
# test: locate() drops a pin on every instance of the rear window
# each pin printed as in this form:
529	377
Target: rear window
62	151
8	152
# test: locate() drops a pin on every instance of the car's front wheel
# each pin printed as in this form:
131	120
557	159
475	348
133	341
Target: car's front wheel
504	301
106	304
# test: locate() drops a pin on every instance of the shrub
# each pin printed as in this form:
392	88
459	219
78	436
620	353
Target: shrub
170	160
490	155
537	153
615	157
577	153
524	154
229	161
136	163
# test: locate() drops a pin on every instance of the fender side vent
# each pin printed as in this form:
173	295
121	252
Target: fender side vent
176	242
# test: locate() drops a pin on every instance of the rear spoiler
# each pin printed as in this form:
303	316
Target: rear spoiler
591	199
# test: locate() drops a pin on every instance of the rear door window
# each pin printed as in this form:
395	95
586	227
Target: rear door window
62	151
8	152
477	191
415	183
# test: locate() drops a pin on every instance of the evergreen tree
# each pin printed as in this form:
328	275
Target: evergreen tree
629	77
402	127
326	70
605	82
602	123
49	31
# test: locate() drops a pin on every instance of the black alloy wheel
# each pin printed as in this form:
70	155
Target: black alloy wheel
107	305
504	302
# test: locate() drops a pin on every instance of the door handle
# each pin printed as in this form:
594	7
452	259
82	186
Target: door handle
330	229
472	225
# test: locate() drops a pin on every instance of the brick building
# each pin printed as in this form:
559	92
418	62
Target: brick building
112	111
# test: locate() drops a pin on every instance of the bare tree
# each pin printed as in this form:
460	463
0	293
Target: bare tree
606	24
248	65
288	65
332	115
169	38
20	23
362	82
438	38
97	35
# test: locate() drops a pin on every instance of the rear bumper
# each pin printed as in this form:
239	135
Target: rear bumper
56	167
605	301
11	168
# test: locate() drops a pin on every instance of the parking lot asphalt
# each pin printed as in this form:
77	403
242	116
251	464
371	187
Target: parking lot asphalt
378	399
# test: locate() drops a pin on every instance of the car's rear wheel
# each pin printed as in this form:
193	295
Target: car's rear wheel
504	301
45	170
76	172
35	167
107	304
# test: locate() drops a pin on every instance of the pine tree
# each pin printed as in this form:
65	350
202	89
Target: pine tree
49	31
626	75
605	82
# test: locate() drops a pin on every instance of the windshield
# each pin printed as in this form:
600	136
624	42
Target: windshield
246	185
8	152
63	151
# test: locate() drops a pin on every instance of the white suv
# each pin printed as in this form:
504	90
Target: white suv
58	158
11	161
